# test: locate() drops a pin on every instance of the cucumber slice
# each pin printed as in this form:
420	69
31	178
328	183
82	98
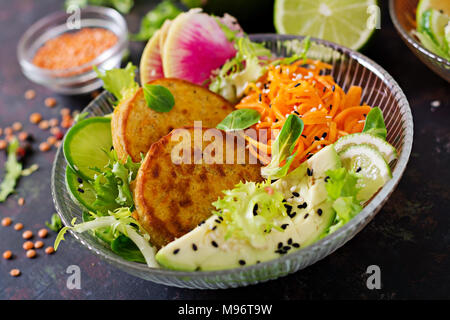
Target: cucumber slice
80	190
433	23
86	146
388	152
370	164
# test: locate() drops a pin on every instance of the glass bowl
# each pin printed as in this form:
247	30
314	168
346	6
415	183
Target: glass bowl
403	15
81	79
350	68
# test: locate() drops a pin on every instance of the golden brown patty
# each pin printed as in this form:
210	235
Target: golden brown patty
135	127
171	199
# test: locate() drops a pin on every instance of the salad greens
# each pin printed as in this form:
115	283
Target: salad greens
283	147
13	170
250	211
295	57
158	98
112	183
120	82
248	64
342	190
155	18
55	223
239	119
116	223
375	123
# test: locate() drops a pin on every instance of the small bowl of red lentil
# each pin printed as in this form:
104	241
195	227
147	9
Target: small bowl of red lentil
60	50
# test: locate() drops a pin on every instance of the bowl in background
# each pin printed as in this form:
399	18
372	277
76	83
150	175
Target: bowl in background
403	15
81	79
349	68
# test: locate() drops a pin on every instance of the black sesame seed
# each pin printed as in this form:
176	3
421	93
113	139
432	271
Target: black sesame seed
296	112
214	228
214	244
316	138
324	88
304	136
333	88
326	178
217	221
112	148
194	247
176	251
306	215
220	218
297	85
289	241
359	169
319	212
260	97
296	245
201	223
284	200
80	180
255	209
242	262
331	106
80	190
280	244
286	248
292	214
284	226
324	135
295	194
309	172
309	156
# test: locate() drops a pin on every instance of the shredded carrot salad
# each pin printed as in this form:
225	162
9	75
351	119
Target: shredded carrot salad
301	88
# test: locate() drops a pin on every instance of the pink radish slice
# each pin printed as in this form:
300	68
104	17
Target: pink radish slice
151	66
194	47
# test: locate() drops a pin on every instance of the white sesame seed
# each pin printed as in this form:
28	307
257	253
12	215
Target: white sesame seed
436	104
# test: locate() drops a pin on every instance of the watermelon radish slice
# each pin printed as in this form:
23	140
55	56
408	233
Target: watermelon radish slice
194	47
151	66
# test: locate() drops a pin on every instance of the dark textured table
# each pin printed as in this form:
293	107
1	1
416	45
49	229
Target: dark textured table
409	239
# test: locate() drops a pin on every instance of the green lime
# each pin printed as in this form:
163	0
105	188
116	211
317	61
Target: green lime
440	5
368	162
387	151
86	146
80	190
350	23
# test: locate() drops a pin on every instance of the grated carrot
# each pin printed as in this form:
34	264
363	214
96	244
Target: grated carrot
304	88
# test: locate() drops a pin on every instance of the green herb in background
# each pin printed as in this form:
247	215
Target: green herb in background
154	19
55	223
123	6
13	170
158	98
375	123
239	120
283	147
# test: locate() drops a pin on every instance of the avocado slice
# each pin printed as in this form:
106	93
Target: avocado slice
206	247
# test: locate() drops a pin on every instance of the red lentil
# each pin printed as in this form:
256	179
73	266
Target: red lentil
3	144
38	244
44	146
35	118
27	245
7	254
49	250
30	94
23	136
44	125
53	122
43	233
31	253
27	234
18	226
8	131
15	272
21	201
50	102
17	126
6	221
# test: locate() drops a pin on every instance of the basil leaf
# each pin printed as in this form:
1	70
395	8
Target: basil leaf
375	123
239	120
283	147
158	98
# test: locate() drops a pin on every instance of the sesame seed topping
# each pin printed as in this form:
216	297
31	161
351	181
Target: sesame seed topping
309	172
319	212
289	241
306	215
359	169
176	251
284	226
280	244
242	262
214	244
295	194
296	245
194	247
80	190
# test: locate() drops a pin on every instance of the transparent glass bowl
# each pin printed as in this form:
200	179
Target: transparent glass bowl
403	15
77	80
350	68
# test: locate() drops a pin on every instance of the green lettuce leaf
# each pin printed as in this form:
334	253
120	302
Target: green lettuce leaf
13	169
120	82
283	147
375	123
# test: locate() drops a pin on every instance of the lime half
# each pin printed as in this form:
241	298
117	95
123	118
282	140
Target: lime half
347	22
370	165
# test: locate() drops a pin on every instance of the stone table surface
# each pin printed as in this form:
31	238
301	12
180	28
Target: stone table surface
409	239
